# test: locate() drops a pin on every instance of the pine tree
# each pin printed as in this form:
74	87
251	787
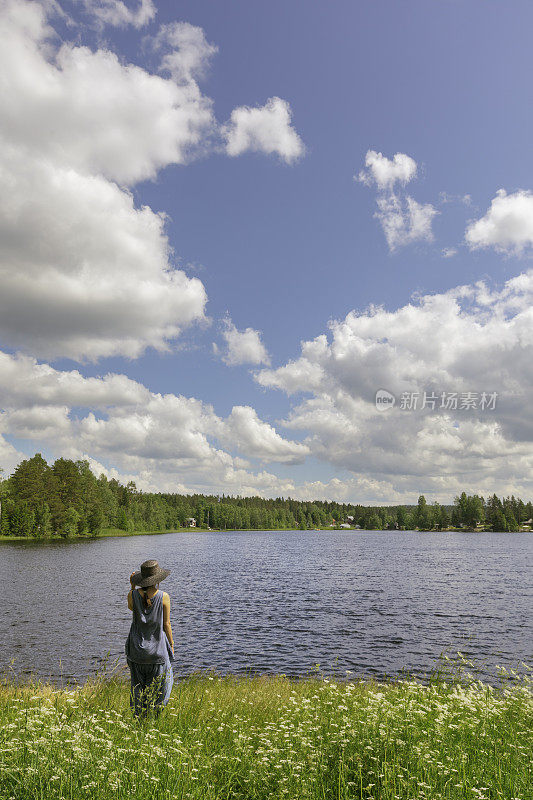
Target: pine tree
122	520
499	523
422	515
32	480
512	524
22	520
95	520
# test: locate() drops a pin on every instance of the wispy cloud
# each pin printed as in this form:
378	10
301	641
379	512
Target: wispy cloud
117	14
402	218
449	252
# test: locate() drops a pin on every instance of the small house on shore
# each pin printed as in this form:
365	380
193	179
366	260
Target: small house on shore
190	522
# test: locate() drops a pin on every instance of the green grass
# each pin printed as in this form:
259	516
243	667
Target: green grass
104	533
270	737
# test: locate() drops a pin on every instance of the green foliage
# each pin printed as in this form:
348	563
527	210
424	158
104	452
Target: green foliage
43	520
443	518
512	524
471	510
499	522
403	518
122	519
21	519
69	526
33	480
4	521
6	510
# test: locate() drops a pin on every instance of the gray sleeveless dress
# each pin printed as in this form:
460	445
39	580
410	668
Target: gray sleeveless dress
149	655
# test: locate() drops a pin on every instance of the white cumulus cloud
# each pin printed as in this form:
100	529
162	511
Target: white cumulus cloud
264	129
507	226
257	439
84	273
162	441
470	339
54	106
242	347
385	172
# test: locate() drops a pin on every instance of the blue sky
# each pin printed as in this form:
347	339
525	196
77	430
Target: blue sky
285	242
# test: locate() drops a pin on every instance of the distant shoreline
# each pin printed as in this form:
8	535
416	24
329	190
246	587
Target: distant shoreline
108	533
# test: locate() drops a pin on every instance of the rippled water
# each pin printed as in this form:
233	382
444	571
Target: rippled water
369	602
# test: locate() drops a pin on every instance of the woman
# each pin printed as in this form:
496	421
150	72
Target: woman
149	646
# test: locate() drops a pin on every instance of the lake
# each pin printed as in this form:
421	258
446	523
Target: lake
367	602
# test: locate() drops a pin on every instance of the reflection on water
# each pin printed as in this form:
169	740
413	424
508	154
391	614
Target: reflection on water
368	602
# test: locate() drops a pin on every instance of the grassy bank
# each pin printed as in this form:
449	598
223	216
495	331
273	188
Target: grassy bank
269	737
103	534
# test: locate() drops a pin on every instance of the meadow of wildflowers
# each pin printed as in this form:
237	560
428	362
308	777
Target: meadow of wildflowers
270	737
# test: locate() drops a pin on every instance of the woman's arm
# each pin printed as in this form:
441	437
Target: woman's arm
166	620
130	593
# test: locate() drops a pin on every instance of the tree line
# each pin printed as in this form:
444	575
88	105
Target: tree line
66	499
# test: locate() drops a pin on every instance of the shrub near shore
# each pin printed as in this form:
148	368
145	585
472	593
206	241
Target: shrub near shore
270	737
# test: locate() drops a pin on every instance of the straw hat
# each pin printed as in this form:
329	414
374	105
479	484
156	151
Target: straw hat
150	574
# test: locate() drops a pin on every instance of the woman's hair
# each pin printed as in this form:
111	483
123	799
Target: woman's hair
148	600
